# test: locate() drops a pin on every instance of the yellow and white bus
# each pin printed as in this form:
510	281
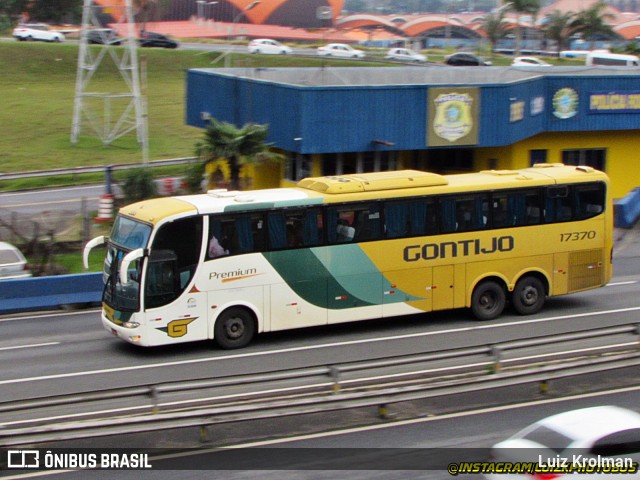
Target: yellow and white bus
227	265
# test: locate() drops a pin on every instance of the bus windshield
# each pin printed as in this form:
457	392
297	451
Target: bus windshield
129	233
126	235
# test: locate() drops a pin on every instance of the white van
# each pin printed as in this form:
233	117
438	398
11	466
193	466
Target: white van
612	59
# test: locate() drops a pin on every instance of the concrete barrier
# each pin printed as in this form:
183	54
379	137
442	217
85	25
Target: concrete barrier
42	293
627	210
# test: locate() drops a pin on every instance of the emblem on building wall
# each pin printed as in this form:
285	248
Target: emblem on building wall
565	103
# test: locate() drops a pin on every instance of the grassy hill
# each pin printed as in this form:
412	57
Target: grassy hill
37	86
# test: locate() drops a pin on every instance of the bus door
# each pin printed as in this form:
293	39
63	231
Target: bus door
443	287
172	303
168	308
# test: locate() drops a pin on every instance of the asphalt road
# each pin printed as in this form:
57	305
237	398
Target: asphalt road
65	352
452	437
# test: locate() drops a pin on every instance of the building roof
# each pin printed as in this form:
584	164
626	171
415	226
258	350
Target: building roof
430	75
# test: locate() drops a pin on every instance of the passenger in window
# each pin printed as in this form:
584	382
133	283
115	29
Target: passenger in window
345	231
215	249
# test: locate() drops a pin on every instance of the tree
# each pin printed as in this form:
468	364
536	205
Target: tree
557	27
494	27
138	185
591	23
521	7
56	11
238	146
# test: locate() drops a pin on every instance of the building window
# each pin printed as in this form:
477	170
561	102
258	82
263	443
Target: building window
594	157
450	159
537	156
297	167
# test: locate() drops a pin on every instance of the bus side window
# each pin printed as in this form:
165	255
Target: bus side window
588	200
396	217
557	207
533	208
278	229
367	223
469	213
312	227
448	215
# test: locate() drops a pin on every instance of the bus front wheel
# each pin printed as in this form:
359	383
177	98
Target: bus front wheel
488	300
234	328
528	296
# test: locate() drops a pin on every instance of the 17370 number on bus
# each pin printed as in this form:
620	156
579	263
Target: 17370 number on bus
576	236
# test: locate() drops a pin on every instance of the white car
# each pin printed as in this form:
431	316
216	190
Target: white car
605	434
406	55
268	46
529	62
37	31
340	50
13	265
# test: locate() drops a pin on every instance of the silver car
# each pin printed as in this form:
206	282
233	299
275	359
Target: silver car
565	442
340	50
12	263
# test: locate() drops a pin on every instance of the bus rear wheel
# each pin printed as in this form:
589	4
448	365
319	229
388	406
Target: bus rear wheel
234	328
528	296
488	300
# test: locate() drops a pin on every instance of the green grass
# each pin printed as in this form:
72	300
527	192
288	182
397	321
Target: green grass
38	89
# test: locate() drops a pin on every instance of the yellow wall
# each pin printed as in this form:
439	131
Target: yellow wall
621	163
622	154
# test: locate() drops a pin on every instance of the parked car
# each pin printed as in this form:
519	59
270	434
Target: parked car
12	263
103	36
268	46
152	39
340	50
605	431
529	62
463	59
37	31
405	54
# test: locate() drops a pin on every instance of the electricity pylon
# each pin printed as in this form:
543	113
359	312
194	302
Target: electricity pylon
114	113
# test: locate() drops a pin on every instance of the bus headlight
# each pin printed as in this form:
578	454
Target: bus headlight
130	324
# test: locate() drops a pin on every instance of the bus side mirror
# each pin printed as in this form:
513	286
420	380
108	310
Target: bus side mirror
88	247
126	261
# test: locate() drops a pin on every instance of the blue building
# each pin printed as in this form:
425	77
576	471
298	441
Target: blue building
441	119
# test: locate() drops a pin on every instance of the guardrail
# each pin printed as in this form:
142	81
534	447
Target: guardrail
95	169
627	210
38	293
330	394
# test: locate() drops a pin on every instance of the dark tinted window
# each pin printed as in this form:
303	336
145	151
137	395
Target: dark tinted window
549	438
620	443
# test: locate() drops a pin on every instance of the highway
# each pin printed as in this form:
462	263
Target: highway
51	353
453	437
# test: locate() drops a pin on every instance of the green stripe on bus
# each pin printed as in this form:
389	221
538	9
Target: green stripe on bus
335	278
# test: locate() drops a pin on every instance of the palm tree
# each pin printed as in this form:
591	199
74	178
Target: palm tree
522	7
557	27
494	27
238	146
591	23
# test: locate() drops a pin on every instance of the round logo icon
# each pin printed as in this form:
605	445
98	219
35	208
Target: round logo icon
565	103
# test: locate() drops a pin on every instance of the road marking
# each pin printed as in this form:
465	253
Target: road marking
446	416
35	345
70	189
616	284
50	202
313	347
48	315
